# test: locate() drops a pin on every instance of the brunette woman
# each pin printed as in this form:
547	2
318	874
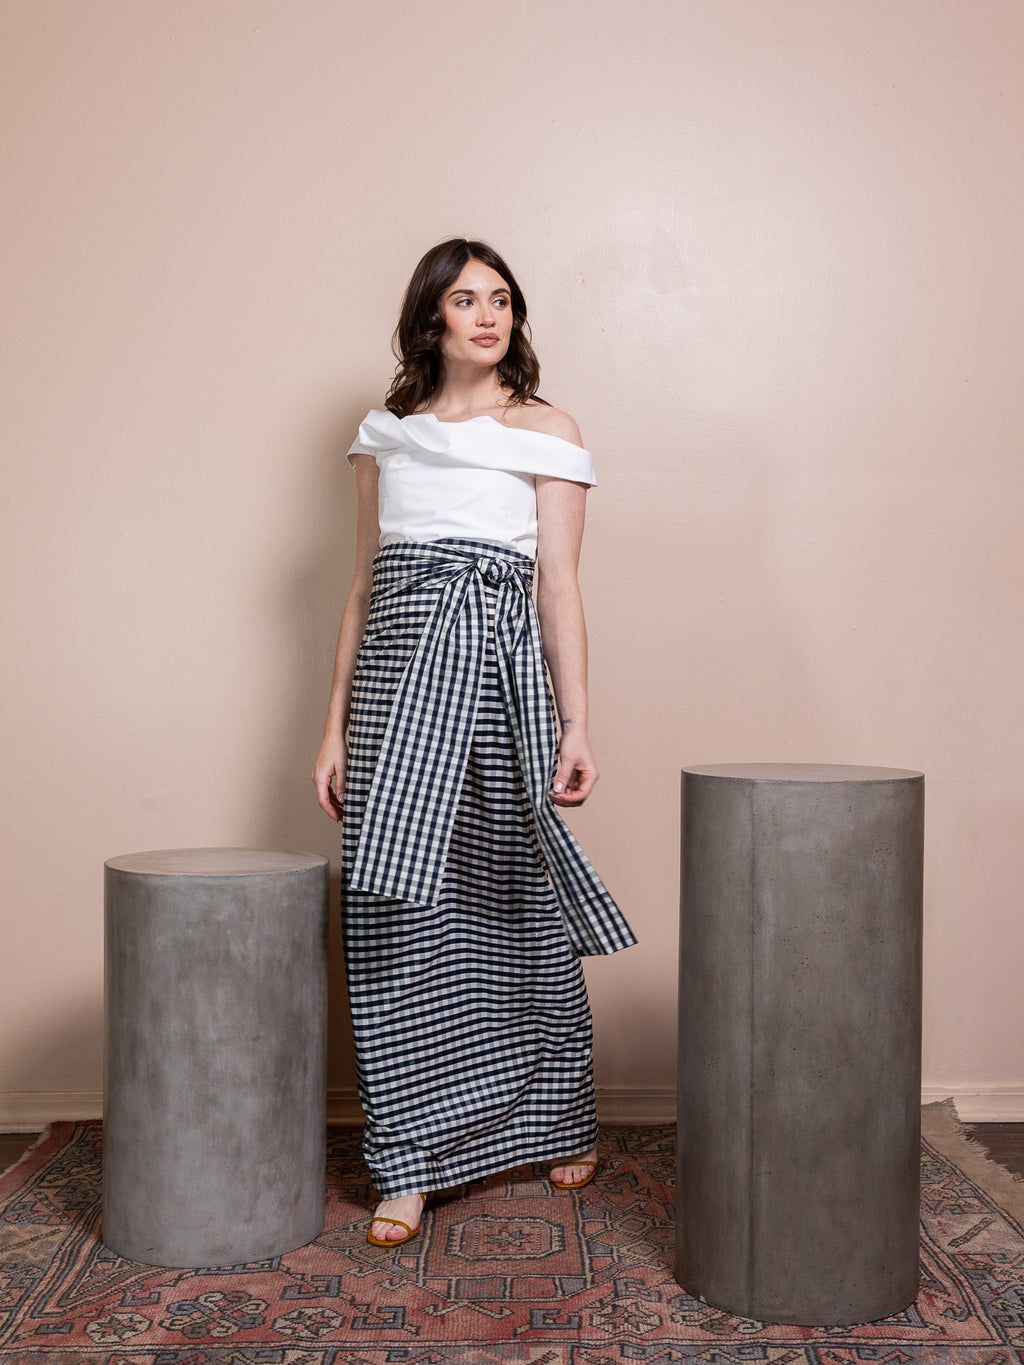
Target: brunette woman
467	901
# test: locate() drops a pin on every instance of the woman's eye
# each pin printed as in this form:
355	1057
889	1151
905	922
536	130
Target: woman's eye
501	303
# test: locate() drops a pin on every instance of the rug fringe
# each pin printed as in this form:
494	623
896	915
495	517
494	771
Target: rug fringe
941	1126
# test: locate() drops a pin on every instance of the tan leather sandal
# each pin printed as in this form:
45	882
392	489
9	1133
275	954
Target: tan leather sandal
574	1184
397	1223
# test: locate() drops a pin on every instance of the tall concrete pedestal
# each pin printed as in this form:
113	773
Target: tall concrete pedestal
214	1124
799	1041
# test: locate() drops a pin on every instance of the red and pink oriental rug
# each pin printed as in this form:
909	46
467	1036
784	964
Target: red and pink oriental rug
506	1273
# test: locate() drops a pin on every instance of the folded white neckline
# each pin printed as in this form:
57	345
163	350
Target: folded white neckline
486	417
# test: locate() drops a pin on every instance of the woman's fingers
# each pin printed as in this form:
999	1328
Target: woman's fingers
327	801
566	778
326	779
573	784
573	795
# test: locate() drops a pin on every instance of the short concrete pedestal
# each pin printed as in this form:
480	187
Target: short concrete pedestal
215	1046
799	1041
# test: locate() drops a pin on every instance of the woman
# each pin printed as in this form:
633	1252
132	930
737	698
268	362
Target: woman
467	901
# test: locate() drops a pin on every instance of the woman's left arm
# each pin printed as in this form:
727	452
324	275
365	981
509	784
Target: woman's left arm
561	507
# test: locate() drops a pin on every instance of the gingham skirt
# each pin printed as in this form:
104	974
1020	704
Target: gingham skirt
469	1009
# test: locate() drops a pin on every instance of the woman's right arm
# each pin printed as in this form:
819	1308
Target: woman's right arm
332	760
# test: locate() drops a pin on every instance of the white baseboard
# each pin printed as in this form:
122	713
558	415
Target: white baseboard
27	1111
994	1104
997	1104
343	1107
636	1104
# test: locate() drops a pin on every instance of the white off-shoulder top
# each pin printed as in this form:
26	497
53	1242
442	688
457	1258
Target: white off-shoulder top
474	479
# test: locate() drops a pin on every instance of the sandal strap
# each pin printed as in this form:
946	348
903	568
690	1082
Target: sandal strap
395	1222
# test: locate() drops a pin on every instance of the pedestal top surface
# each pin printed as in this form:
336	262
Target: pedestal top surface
213	862
802	772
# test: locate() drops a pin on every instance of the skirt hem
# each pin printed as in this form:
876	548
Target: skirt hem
554	1152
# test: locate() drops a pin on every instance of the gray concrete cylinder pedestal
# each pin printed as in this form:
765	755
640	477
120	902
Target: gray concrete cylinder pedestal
799	1041
214	1123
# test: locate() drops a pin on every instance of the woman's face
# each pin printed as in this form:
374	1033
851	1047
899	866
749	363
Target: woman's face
478	317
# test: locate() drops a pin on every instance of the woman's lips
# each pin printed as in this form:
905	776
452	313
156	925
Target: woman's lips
487	340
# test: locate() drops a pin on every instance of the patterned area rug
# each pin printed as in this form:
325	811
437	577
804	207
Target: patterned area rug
506	1273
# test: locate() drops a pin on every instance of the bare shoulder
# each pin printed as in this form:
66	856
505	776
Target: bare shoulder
547	420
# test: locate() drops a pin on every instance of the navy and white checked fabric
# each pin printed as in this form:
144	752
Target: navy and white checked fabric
436	610
470	1018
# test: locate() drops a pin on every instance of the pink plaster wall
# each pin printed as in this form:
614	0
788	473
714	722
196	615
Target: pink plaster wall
772	249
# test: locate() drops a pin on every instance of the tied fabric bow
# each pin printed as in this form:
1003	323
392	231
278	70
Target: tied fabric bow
410	808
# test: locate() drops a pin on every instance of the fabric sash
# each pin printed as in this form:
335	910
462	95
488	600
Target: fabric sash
407	821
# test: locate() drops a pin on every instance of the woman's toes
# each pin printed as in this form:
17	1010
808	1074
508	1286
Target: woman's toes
570	1175
571	1172
386	1232
408	1210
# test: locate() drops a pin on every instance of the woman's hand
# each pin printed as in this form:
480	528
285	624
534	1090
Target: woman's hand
332	761
329	777
577	771
560	512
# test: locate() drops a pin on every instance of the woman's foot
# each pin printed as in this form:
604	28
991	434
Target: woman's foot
575	1172
396	1220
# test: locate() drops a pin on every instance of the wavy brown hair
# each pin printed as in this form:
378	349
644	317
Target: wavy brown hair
421	325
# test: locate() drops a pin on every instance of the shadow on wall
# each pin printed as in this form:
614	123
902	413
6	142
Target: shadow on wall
309	594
